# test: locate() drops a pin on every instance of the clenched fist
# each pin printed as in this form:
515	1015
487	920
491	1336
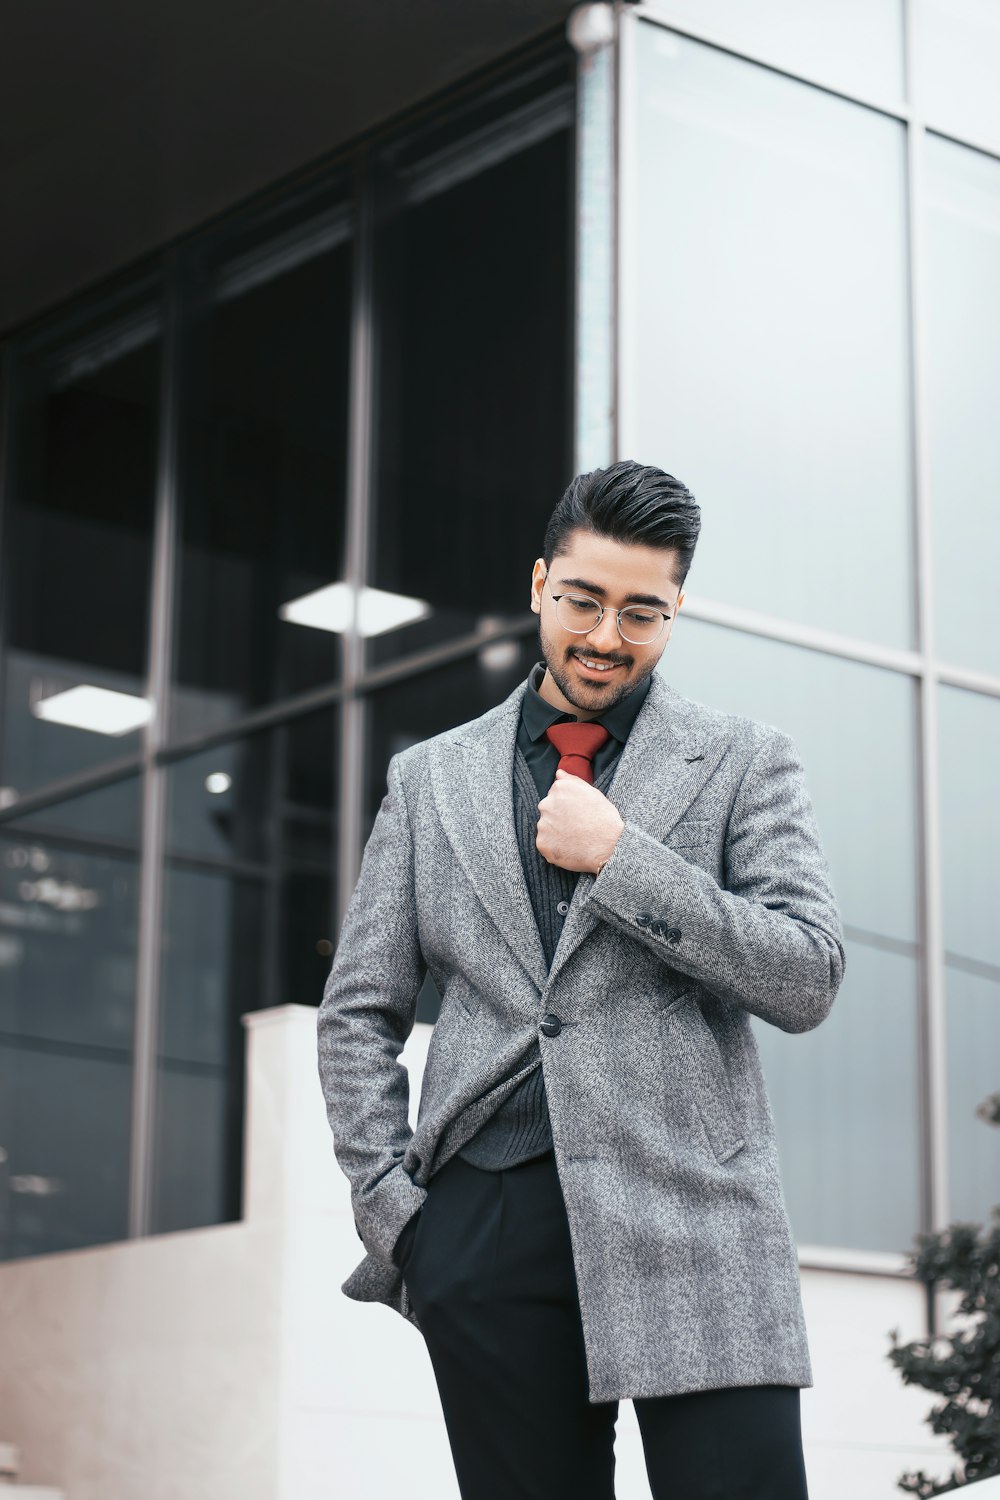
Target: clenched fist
577	826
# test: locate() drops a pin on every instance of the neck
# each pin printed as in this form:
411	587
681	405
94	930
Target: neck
548	690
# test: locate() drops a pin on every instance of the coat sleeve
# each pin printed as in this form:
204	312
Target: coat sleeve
771	941
365	1016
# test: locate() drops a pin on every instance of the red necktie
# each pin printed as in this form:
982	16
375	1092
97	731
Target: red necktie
577	745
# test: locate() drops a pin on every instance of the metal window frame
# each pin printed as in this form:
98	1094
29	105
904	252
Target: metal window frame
152	848
360	440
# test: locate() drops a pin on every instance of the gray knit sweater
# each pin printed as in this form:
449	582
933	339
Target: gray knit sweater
520	1129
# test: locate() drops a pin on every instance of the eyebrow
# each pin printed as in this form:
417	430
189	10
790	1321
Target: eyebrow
595	588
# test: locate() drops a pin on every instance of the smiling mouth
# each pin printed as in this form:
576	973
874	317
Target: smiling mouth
603	669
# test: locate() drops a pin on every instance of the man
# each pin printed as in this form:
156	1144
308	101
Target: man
605	879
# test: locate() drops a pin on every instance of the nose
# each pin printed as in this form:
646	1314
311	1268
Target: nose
604	638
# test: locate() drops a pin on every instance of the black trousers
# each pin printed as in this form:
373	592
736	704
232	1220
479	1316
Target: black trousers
489	1269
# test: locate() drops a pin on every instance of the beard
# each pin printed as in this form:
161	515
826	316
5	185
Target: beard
587	694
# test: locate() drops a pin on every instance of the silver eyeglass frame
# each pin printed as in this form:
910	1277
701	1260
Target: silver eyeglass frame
571	593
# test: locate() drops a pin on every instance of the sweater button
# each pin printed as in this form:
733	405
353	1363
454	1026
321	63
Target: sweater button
550	1025
562	908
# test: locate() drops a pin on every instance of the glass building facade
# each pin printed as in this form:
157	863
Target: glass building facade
809	286
269	508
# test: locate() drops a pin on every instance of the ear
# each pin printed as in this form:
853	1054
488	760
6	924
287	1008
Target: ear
538	575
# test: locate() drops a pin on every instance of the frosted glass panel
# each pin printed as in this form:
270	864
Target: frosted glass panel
973	1074
853	44
855	728
845	1095
963	381
958	63
764	351
845	1103
970	826
970	830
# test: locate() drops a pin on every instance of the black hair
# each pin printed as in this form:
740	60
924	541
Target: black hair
628	502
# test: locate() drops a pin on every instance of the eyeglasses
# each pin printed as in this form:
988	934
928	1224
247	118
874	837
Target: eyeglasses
581	614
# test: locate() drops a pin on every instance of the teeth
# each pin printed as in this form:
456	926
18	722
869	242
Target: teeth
596	665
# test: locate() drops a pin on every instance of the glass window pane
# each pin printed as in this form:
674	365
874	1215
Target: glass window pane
973	1041
252	828
853	44
963	378
958	63
765	345
854	1079
111	814
474	294
970	823
845	1098
214	931
68	929
261	596
77	546
855	727
970	836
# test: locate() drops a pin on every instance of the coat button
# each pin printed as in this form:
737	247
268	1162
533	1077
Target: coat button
562	908
551	1025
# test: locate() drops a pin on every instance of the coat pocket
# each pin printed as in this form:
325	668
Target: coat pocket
690	832
690	1038
461	993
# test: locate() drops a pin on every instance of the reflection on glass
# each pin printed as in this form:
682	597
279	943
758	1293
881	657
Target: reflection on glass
110	815
68	930
422	706
973	1042
970	823
853	44
958	62
474	290
264	470
963	377
213	972
970	836
252	827
854	1079
765	346
855	729
77	551
216	798
845	1098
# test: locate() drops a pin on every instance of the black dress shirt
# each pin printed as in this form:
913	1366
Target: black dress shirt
537	715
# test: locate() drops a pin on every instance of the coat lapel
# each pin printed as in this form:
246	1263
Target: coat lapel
472	777
668	757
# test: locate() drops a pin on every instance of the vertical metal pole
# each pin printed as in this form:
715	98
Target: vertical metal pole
595	271
7	364
618	63
151	873
933	999
359	501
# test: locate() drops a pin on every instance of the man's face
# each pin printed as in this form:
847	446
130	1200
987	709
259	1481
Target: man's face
615	574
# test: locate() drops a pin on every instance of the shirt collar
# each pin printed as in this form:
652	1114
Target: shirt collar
537	714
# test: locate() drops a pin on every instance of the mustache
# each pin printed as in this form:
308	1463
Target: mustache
611	661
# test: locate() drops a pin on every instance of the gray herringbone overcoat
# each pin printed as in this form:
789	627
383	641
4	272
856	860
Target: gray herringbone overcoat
716	905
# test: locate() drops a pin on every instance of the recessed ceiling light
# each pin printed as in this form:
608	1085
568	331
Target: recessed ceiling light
101	710
330	608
